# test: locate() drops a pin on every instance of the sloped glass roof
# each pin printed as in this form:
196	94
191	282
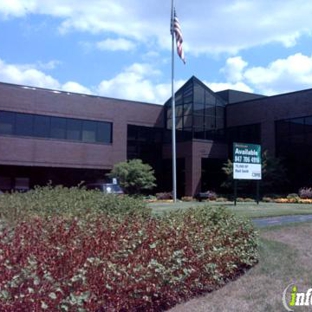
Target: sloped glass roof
199	111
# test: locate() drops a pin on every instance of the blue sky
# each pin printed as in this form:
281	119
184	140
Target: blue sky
122	48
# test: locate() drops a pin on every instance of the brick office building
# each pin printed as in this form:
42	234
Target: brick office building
66	138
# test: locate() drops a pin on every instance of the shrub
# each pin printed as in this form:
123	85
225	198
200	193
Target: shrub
240	199
109	263
134	176
268	199
222	199
305	193
57	201
293	198
248	200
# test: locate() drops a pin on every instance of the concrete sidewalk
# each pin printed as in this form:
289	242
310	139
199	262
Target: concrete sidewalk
263	222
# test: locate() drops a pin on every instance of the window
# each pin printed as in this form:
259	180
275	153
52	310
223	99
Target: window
41	126
89	131
104	132
58	128
202	114
74	129
24	124
7	122
61	128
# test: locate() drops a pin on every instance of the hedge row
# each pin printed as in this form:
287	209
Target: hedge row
70	202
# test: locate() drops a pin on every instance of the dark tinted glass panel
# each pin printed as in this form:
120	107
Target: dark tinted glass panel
188	99
220	111
188	90
209	98
169	123
7	122
188	121
41	126
308	121
89	131
308	124
132	133
179	110
199	95
199	109
24	124
19	124
178	100
187	109
210	110
179	122
198	121
169	113
219	123
58	128
210	122
219	103
104	132
74	129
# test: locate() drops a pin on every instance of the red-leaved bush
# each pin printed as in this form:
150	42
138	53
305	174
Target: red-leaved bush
113	263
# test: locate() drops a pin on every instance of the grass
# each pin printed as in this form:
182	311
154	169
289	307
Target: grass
285	257
248	210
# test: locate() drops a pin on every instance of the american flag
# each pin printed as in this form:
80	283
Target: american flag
176	29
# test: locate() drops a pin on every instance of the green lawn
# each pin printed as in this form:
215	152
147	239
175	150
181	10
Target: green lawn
285	257
249	210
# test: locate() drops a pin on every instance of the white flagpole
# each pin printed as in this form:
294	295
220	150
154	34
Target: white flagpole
174	164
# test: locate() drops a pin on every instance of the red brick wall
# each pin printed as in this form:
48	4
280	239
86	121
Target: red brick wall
40	152
266	110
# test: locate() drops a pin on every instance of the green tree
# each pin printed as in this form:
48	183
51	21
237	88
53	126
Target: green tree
134	176
274	174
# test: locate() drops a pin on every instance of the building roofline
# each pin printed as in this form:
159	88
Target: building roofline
273	96
28	87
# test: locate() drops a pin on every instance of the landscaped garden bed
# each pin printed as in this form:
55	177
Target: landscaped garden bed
73	250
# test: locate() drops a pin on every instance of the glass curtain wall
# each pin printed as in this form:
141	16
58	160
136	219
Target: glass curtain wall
199	112
293	139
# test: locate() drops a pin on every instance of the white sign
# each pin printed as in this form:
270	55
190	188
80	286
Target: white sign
247	171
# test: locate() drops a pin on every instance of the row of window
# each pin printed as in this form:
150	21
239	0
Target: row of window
40	126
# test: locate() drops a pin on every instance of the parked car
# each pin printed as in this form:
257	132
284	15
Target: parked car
106	188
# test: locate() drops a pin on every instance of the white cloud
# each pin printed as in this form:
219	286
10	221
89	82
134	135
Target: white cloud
282	75
16	7
30	76
116	45
208	27
135	83
233	70
239	86
75	87
26	75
